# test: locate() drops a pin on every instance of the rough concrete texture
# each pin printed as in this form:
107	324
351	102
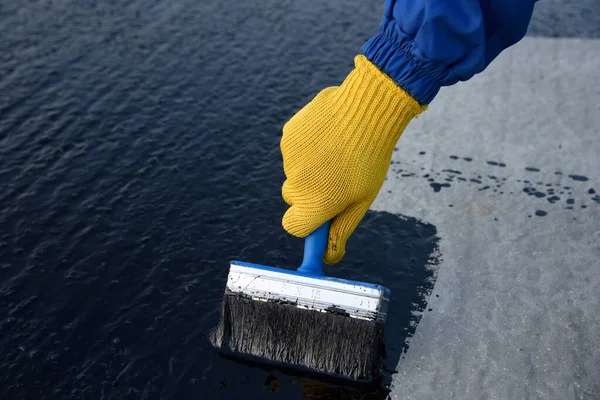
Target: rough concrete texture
566	18
518	312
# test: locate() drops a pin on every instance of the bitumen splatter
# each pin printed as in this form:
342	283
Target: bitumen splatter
438	186
533	192
579	178
541	190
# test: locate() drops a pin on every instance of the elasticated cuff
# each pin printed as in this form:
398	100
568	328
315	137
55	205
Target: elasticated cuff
370	99
399	64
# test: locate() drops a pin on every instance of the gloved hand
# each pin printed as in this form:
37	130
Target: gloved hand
337	150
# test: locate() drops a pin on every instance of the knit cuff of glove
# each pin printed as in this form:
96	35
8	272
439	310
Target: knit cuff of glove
370	97
420	79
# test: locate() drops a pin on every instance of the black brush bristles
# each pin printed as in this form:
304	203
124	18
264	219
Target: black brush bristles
328	343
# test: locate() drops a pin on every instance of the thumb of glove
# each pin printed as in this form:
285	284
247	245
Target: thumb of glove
300	220
342	227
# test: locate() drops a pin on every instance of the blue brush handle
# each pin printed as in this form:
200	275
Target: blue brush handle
314	250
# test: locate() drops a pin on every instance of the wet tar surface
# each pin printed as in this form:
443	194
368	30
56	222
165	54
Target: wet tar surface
139	154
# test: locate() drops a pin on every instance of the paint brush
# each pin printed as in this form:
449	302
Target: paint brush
303	319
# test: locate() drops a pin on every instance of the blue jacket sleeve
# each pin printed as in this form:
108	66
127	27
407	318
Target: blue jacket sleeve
426	44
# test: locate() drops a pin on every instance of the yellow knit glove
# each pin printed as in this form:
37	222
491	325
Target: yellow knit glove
337	150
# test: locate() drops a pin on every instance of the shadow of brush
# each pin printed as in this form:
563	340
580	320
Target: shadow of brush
402	254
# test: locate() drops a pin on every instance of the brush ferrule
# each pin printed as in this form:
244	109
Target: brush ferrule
319	293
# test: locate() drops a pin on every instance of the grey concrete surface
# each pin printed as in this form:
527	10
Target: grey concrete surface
515	311
566	18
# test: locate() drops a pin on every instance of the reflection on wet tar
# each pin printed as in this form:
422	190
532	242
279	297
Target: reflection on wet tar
551	192
272	383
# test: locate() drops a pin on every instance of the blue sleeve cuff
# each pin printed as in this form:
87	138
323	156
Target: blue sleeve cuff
426	44
394	57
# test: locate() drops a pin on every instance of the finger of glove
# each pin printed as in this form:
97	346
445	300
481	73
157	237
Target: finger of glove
287	191
326	93
323	96
297	120
342	228
301	220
